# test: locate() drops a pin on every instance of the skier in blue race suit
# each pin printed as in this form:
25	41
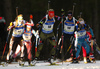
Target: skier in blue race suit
16	39
82	38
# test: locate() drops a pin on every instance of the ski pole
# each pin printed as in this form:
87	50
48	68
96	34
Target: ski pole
57	39
5	44
36	43
92	45
62	36
36	39
96	47
62	13
57	32
69	47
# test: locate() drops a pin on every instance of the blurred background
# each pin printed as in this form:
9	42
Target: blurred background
89	10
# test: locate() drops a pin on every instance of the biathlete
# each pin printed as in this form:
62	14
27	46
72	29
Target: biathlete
16	39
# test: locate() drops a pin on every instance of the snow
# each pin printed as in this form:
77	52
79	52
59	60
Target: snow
65	65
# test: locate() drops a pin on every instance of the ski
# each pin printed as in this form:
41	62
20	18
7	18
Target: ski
4	64
55	64
26	65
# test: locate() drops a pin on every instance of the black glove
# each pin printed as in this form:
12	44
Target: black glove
93	37
58	48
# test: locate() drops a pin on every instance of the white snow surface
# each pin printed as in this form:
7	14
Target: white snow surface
65	65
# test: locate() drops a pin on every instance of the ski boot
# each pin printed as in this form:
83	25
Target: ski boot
78	58
85	60
34	62
4	64
21	62
10	60
52	60
88	60
92	58
74	61
30	63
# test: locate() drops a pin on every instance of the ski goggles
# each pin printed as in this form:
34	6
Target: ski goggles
70	14
82	22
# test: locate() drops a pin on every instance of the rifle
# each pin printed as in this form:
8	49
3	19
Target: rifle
48	4
73	8
16	11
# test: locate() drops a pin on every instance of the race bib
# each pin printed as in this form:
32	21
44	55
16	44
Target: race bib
81	34
26	37
68	28
18	32
47	27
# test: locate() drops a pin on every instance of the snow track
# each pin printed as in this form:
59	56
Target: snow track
65	65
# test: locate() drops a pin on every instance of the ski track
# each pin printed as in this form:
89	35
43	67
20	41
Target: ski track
65	65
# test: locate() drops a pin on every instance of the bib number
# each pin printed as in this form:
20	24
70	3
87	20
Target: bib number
68	27
49	26
18	32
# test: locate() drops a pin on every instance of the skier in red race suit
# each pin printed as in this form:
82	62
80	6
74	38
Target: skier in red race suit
27	39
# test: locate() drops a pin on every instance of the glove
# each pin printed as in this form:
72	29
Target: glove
9	27
37	36
11	23
37	24
41	23
77	22
58	48
93	37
